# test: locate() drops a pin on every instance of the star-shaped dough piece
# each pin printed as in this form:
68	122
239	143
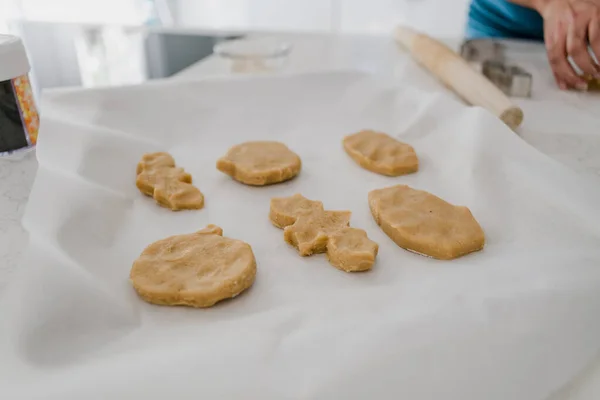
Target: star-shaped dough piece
285	210
310	233
381	153
260	163
170	186
423	223
196	270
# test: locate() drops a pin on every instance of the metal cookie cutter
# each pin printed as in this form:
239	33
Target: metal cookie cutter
487	57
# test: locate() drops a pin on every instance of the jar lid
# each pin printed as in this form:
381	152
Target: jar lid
13	58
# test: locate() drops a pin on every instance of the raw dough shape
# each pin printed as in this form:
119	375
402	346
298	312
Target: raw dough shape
311	229
423	223
310	233
285	210
260	163
196	270
170	186
380	153
350	250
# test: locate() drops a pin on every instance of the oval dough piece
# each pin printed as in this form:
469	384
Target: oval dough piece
197	269
260	163
285	210
380	153
423	223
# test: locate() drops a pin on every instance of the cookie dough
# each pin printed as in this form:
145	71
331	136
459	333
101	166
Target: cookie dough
423	223
380	153
350	250
310	233
285	210
260	163
311	229
170	186
196	270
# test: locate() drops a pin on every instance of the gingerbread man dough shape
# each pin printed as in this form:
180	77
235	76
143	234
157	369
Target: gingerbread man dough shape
171	187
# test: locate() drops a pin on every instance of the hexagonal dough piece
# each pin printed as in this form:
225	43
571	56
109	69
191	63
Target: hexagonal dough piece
171	187
260	163
350	250
380	153
285	210
197	269
310	233
423	223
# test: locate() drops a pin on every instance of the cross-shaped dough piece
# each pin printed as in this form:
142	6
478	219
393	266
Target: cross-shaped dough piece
311	229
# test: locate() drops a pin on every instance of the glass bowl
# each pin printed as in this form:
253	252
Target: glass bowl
254	55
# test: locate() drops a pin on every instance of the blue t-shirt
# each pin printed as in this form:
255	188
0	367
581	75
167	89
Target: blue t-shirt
503	19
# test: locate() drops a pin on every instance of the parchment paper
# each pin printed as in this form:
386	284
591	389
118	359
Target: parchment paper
515	321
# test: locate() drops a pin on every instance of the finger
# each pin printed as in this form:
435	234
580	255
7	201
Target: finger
556	45
594	38
577	47
561	85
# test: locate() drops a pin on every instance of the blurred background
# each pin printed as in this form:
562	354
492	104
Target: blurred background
111	42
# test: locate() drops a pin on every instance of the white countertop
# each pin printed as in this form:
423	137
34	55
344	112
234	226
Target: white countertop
562	125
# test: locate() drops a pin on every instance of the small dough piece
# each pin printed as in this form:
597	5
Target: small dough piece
310	233
170	186
196	270
211	230
311	229
285	210
154	161
423	223
380	153
350	250
260	163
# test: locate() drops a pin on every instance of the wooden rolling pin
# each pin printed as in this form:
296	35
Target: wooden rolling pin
457	74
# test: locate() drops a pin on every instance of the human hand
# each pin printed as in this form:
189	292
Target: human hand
569	25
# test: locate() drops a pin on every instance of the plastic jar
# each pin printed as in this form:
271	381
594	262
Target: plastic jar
19	118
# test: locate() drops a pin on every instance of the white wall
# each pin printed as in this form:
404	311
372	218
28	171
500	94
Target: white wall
437	17
296	15
445	18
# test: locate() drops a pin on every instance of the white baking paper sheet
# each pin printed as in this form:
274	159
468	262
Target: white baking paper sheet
515	321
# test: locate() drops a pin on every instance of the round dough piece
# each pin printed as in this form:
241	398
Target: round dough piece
260	163
380	153
197	269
